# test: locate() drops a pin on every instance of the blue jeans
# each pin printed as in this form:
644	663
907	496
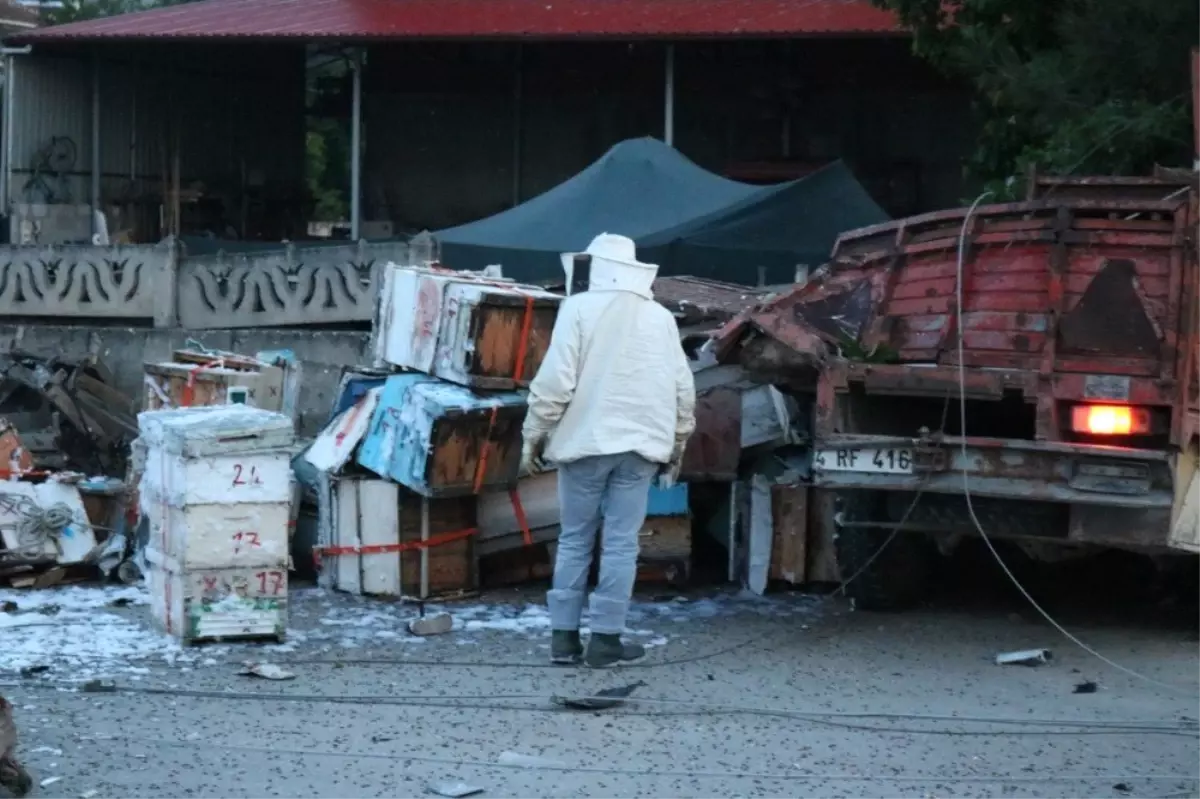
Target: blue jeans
610	488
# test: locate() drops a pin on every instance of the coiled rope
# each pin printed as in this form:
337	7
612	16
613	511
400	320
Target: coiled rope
36	526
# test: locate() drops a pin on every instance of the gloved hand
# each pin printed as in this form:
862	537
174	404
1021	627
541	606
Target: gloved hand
668	473
531	455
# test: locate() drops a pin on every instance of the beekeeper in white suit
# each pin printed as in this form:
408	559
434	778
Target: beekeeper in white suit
612	406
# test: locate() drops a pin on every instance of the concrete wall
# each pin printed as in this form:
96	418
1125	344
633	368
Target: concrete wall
323	353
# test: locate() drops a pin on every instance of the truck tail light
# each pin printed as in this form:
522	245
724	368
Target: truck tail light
1110	420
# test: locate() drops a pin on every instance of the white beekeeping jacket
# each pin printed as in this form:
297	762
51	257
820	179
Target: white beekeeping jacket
615	379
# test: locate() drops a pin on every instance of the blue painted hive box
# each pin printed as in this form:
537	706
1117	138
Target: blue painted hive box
443	440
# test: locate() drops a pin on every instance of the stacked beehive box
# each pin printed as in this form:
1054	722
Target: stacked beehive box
444	427
216	490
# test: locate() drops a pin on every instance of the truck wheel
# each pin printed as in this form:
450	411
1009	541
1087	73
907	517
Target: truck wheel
899	576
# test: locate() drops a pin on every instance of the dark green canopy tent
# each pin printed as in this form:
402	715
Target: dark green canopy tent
686	219
794	223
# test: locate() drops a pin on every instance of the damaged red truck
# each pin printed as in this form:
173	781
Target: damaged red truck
1079	327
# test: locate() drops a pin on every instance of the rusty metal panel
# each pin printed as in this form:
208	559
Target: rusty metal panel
698	300
715	448
1110	317
789	549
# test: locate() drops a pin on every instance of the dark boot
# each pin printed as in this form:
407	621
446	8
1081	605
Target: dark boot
566	649
607	650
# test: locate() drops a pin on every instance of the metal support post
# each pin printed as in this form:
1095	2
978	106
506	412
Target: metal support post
356	65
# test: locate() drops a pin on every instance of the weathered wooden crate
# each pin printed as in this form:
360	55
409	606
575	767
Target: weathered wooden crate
375	537
443	440
463	327
665	541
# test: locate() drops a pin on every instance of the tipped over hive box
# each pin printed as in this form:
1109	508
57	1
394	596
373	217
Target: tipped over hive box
216	491
443	440
486	333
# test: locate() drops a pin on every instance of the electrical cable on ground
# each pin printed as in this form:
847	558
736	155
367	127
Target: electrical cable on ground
549	765
499	664
962	405
1184	727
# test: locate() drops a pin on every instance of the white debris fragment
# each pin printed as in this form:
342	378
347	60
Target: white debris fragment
268	671
528	761
1024	657
454	790
437	624
49	781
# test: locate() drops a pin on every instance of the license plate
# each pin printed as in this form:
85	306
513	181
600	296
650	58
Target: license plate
871	461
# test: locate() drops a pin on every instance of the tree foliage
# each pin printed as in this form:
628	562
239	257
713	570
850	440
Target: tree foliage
78	10
1071	86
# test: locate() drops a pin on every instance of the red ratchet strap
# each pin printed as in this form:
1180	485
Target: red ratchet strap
407	546
349	420
522	519
481	464
523	344
189	388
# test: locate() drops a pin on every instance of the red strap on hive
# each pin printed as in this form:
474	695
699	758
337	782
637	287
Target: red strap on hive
407	546
189	388
523	344
522	519
481	465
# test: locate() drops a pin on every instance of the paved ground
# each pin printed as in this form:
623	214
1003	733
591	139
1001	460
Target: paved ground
402	731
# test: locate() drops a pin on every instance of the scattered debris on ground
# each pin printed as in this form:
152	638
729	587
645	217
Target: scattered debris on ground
1024	657
601	700
268	671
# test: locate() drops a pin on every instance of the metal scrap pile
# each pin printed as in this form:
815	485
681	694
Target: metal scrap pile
61	421
68	414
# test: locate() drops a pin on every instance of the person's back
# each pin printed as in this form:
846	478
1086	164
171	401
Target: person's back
612	406
626	391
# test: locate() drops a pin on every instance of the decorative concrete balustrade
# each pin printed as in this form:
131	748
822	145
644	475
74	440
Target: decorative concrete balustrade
83	282
297	286
158	285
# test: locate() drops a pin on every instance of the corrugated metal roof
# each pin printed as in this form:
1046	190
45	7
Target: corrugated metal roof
451	19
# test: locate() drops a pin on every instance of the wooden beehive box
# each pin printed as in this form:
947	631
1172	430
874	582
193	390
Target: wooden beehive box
475	331
193	379
444	440
356	512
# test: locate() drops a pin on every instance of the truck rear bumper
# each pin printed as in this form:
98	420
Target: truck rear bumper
1045	471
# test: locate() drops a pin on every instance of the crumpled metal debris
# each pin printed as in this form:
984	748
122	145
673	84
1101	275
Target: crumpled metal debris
68	413
611	698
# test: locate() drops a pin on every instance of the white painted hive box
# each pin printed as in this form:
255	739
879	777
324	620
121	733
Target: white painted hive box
215	430
221	454
219	604
463	327
221	536
259	477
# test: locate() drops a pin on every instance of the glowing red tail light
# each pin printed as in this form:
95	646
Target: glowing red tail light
1110	420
